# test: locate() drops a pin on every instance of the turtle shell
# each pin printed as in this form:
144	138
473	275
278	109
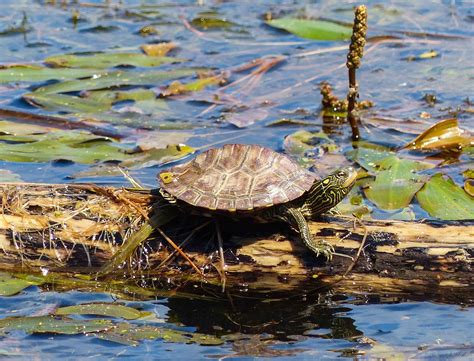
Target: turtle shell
237	177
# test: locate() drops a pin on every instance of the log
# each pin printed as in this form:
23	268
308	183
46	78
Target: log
76	229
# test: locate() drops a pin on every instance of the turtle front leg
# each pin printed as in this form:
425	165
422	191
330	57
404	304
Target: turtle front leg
296	218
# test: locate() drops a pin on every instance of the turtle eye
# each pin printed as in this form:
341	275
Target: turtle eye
341	174
166	177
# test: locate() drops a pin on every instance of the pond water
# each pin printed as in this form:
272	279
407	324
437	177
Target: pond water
417	69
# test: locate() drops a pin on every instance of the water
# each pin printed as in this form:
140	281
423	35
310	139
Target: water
298	325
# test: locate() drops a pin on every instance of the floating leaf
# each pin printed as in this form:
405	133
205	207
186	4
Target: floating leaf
108	60
177	87
284	122
443	199
100	29
103	309
445	134
368	155
395	183
160	139
115	79
7	176
32	73
246	118
154	107
160	49
112	96
158	156
52	324
469	187
20	129
211	19
80	147
468	173
128	334
305	145
65	103
313	29
426	55
10	286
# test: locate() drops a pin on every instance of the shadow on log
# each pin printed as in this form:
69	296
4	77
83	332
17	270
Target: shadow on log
76	229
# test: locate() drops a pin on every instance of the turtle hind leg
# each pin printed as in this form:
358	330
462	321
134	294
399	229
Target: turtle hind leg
298	221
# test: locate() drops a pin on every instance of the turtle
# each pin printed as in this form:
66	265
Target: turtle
249	180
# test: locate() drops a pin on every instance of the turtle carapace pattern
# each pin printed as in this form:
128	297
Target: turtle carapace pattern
253	181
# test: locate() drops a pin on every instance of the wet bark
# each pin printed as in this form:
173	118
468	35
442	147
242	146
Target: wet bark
78	228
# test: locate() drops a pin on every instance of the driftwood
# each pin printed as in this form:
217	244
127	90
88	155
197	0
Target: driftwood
79	228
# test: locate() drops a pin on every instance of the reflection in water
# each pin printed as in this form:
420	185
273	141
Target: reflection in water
256	314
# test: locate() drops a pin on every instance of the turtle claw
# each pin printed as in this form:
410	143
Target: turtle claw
324	249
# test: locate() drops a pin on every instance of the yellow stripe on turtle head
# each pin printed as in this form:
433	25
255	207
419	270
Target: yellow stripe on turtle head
166	177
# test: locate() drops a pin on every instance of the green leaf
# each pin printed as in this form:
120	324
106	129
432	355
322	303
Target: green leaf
10	286
211	20
128	334
302	144
112	96
115	79
108	60
368	155
52	324
80	147
158	156
395	183
103	309
313	29
32	73
443	199
7	176
65	103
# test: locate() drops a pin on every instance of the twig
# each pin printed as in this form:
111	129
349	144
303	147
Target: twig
182	244
361	247
221	254
184	255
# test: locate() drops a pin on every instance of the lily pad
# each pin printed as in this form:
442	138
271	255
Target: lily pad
80	147
10	286
313	29
306	145
65	103
52	324
211	20
131	334
443	199
33	73
368	155
177	87
7	176
158	156
103	309
115	79
111	96
160	49
395	183
108	60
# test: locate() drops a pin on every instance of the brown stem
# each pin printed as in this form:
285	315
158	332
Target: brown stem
356	51
352	116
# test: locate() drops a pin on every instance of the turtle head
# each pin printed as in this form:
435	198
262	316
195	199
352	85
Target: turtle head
328	192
